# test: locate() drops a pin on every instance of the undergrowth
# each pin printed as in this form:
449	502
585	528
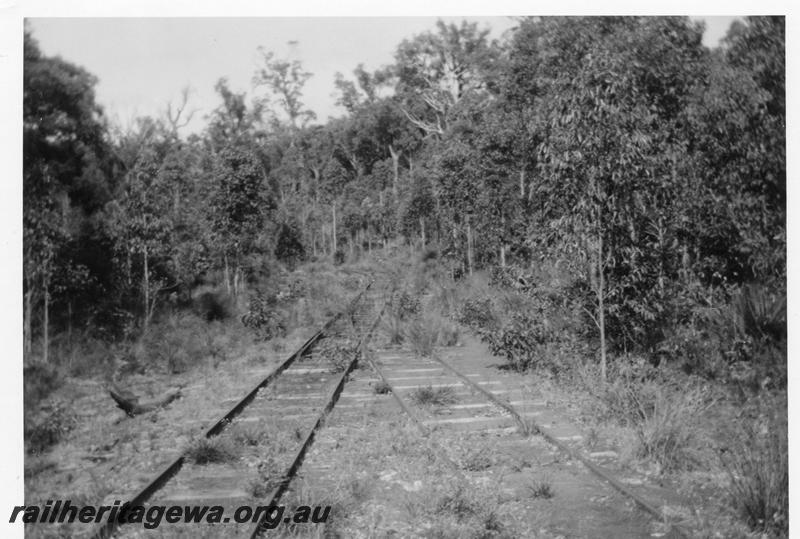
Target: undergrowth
434	396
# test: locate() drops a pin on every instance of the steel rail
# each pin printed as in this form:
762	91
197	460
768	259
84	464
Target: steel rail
107	529
531	427
330	402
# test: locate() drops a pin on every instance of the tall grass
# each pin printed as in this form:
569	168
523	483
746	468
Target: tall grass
664	417
757	463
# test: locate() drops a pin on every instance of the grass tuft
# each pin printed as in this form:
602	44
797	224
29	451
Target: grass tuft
434	396
757	463
212	450
382	388
541	489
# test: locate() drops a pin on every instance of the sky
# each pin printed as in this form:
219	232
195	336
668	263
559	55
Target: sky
144	63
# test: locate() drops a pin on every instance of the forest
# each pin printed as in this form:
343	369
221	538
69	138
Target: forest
621	148
627	178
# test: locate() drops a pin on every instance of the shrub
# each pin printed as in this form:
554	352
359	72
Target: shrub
478	314
422	336
49	426
757	463
382	388
289	246
402	308
263	317
338	257
212	306
40	380
448	334
394	328
174	345
521	340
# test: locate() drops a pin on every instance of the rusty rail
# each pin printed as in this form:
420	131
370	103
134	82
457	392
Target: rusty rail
107	529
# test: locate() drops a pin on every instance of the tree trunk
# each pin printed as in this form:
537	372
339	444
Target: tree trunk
146	285
27	336
522	183
395	169
128	266
502	254
69	320
226	275
46	336
335	246
601	317
422	230
469	247
314	242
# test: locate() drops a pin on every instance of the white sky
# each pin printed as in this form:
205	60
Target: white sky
143	63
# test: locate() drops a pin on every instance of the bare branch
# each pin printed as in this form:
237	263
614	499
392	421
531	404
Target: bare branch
425	126
176	118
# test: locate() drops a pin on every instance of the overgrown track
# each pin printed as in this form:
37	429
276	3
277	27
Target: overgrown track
330	402
394	372
272	403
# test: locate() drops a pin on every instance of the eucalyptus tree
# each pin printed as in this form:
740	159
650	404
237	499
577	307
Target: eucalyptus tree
615	89
436	71
66	180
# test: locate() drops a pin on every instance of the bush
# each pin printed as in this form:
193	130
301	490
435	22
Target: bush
523	342
338	257
722	335
757	463
175	345
382	388
264	317
478	314
289	246
401	309
49	426
422	336
40	380
212	306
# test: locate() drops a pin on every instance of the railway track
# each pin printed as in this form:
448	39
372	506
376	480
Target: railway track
270	428
492	410
294	421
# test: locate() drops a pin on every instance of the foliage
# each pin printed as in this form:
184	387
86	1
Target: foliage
478	313
289	247
644	167
48	426
264	316
340	352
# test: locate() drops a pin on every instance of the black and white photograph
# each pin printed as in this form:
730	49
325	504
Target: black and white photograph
424	276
